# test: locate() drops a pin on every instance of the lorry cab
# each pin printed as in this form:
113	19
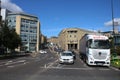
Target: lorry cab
95	50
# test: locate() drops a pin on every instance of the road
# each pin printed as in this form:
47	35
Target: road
46	67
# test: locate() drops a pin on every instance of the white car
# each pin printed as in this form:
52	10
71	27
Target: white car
43	52
66	57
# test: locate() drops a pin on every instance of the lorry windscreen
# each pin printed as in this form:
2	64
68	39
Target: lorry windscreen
99	44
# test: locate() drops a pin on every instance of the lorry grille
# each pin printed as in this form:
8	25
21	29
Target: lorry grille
99	55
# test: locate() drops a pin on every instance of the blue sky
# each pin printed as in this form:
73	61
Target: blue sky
55	15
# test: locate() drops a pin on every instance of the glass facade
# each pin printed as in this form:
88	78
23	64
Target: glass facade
28	31
11	21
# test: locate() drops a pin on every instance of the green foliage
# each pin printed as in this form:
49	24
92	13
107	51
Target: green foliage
118	50
115	63
9	38
114	49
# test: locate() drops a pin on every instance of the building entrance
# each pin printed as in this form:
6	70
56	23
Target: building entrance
72	46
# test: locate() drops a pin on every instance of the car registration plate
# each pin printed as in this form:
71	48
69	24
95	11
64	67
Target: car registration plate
65	60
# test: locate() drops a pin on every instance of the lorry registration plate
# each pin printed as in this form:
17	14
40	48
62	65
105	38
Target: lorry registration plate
99	64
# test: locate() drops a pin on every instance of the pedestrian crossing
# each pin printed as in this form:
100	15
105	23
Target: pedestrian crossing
11	63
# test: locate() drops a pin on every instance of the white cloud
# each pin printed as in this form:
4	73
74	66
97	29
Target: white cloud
116	22
10	6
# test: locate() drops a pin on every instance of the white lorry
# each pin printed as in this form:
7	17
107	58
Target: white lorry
95	49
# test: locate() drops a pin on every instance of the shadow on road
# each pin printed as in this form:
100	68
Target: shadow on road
3	57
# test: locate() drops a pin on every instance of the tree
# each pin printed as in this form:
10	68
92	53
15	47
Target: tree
15	40
115	49
9	38
118	50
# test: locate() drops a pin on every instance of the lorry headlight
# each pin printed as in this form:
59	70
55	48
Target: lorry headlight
91	58
108	58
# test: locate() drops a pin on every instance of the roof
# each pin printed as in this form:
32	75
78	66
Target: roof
67	52
23	14
67	29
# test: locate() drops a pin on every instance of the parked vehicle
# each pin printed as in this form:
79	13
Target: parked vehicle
95	49
59	51
43	51
66	57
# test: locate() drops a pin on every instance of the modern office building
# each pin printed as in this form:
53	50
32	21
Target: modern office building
28	27
0	14
4	13
70	38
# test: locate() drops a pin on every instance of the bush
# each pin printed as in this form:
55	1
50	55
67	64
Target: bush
117	50
115	63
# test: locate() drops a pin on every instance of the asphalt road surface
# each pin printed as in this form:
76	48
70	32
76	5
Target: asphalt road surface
47	67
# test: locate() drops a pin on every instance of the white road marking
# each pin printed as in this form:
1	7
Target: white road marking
13	64
59	65
69	68
22	61
116	69
51	64
104	69
10	66
45	66
10	61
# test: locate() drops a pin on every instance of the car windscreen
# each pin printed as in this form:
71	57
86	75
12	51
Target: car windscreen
99	44
66	54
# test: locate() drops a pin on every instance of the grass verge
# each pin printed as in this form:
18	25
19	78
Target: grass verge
115	63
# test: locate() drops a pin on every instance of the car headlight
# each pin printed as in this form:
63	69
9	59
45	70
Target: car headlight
60	58
71	58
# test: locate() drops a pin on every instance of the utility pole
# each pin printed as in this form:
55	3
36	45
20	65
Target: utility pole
112	17
113	24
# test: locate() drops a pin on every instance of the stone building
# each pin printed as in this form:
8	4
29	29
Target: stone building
69	38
